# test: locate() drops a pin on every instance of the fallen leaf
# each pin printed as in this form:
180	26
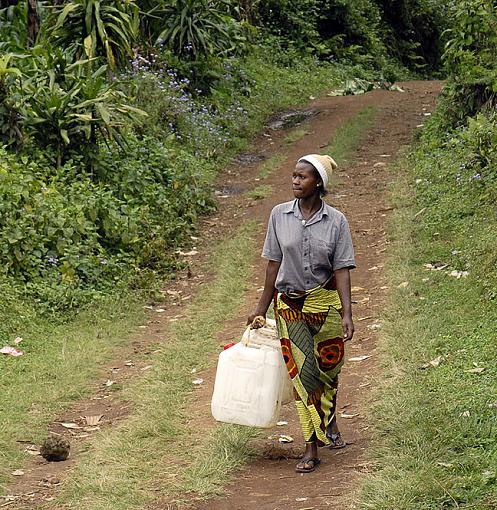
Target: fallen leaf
17	472
301	499
436	266
108	383
374	326
477	370
348	416
376	165
197	382
374	268
92	420
459	274
193	252
466	414
70	425
282	423
402	285
285	439
17	340
365	318
433	363
147	367
32	450
445	464
359	358
11	351
357	289
159	310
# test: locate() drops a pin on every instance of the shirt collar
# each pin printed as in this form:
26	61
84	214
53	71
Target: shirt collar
293	207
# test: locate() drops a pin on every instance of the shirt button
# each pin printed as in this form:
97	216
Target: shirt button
306	268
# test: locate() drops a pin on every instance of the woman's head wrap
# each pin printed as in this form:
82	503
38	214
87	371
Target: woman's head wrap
324	165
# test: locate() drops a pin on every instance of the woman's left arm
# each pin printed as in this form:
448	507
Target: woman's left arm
342	278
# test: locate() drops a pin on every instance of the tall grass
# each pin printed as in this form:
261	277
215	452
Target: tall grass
435	423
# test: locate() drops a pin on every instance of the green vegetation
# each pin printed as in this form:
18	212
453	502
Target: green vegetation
268	166
295	135
348	138
436	444
60	366
260	192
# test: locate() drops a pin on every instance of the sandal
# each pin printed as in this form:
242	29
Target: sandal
337	441
311	464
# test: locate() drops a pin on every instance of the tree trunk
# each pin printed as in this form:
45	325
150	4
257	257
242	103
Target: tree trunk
33	21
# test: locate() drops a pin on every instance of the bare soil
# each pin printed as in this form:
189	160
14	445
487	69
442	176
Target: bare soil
269	482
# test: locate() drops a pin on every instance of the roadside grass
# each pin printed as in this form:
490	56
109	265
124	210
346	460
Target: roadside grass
295	135
59	365
344	142
149	453
269	165
227	449
260	192
435	441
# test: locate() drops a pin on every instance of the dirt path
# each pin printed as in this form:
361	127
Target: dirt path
272	484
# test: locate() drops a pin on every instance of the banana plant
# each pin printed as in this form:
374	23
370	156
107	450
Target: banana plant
199	28
95	28
70	112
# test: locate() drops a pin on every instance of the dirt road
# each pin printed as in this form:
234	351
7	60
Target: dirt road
270	482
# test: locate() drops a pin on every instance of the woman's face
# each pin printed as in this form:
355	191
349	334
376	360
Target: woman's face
305	181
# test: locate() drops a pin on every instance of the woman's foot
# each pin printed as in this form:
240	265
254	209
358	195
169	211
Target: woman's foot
310	461
333	434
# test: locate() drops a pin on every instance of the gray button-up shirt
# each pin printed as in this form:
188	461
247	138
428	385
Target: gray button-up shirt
309	250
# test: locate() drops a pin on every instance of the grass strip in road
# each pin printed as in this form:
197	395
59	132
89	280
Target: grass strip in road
348	137
227	449
270	165
147	455
435	420
59	366
295	135
260	192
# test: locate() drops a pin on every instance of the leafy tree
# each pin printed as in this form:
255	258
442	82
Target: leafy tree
412	30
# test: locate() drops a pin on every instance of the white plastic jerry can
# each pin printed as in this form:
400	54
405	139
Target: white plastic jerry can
251	380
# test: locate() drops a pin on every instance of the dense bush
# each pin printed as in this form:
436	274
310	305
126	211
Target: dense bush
58	228
470	60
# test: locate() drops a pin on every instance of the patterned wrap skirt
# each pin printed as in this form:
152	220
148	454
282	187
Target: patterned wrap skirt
311	336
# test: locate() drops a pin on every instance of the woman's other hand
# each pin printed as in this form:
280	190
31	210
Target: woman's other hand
348	327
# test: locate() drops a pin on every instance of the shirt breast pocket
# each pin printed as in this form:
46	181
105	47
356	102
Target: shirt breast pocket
321	253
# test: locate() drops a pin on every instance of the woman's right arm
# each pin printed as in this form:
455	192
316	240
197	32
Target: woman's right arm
272	269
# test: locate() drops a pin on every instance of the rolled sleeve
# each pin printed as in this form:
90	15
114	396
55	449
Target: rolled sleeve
272	248
343	256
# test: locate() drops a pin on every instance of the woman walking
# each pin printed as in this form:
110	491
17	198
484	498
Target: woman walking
309	251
